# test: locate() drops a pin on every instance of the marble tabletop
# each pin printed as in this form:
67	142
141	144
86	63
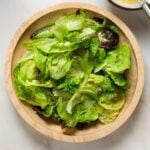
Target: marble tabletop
15	134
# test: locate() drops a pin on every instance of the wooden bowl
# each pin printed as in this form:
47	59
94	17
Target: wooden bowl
135	74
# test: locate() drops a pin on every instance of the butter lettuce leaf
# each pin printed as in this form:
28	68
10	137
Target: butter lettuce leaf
58	65
102	81
50	45
27	74
84	112
72	22
117	61
94	46
40	60
119	80
29	87
49	110
44	32
108	116
114	102
34	95
69	120
87	65
73	78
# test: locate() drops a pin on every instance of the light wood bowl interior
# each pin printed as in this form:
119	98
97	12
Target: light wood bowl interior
135	75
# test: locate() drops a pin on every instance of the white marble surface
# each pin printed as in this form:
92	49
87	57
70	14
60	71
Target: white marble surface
15	134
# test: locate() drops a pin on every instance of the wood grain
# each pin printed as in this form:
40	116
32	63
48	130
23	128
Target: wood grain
52	130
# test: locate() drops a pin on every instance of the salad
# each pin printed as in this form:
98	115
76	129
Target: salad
74	71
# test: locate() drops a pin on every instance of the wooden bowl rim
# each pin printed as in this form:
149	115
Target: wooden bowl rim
136	50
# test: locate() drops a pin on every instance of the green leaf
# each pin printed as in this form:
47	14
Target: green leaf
72	22
44	32
66	117
73	101
86	33
94	46
27	70
86	112
73	78
61	93
86	62
28	88
87	65
106	96
43	44
93	24
108	116
118	80
81	39
49	110
36	96
90	90
102	81
27	74
117	61
100	55
58	65
49	46
115	102
60	32
40	60
108	24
